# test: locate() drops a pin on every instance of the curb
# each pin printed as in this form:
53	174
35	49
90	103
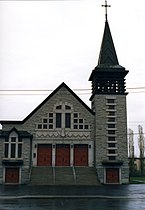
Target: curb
65	197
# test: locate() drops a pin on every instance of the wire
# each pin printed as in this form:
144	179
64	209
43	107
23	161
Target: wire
35	92
78	89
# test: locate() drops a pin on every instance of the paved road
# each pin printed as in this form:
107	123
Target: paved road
122	197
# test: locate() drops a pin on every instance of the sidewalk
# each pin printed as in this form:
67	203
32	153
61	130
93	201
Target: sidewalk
72	192
24	190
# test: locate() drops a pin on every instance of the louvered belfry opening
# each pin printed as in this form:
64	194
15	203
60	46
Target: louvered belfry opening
108	77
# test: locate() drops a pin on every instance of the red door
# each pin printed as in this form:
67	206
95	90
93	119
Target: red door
112	175
80	155
62	155
12	175
44	155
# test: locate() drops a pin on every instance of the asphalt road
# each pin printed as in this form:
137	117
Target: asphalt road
116	197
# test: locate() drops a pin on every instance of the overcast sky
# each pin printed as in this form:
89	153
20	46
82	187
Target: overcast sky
45	43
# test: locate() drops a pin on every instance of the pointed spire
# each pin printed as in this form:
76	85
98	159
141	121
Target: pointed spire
108	56
108	77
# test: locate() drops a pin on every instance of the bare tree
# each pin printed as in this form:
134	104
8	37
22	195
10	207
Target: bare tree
131	143
141	144
132	168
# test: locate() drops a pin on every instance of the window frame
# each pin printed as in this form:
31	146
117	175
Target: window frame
67	120
13	149
63	116
58	120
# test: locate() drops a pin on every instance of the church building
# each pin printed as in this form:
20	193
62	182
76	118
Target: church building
63	141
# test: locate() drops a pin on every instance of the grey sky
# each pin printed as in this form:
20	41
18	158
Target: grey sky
45	43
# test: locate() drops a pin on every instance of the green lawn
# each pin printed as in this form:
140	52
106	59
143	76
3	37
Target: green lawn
137	180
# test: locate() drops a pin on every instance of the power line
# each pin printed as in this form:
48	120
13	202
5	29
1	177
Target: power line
136	88
26	94
36	91
77	89
135	121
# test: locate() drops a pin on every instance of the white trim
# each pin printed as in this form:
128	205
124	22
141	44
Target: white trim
110	97
112	154
4	175
71	154
120	176
104	176
112	148
53	154
20	175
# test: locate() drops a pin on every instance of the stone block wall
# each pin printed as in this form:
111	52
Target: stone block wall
101	135
25	175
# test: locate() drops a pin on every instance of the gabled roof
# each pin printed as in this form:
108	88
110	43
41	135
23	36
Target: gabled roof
108	56
20	133
38	107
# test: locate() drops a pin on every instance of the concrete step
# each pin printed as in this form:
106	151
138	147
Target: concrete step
42	176
86	176
63	176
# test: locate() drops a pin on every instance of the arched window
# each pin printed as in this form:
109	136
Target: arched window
13	147
63	116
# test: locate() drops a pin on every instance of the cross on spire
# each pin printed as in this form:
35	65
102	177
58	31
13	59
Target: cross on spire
106	6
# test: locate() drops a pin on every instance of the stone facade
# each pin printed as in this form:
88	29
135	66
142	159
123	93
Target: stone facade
93	132
82	134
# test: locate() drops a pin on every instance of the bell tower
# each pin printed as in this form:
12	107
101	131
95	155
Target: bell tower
109	104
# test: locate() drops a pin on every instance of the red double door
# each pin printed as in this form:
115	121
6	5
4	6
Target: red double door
44	155
62	155
80	155
12	175
112	175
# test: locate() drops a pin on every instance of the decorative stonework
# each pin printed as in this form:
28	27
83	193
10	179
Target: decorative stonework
63	134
